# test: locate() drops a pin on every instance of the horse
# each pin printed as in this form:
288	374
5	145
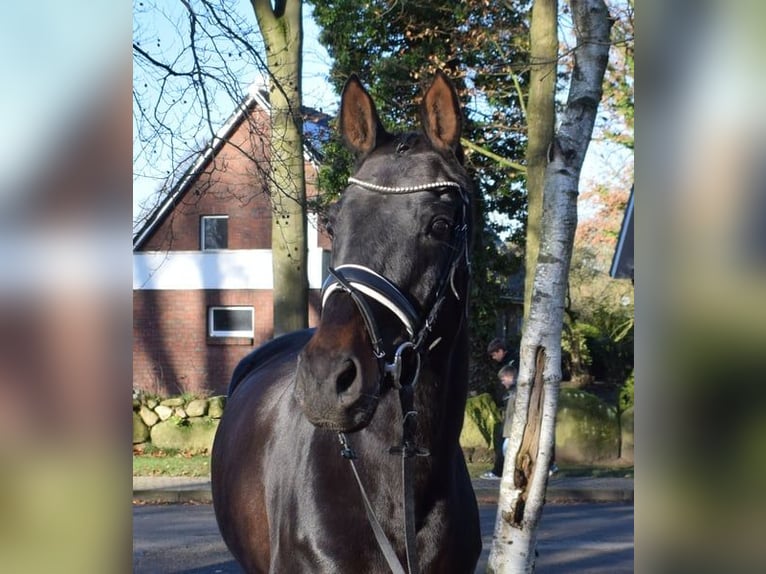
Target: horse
338	449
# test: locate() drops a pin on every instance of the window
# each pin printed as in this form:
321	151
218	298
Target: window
230	322
214	232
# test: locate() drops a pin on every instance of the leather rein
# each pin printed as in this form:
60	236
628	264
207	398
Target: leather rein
364	284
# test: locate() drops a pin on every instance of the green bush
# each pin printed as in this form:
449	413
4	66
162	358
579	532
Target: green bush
626	394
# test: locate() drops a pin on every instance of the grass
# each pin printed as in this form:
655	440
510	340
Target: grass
476	469
157	462
605	470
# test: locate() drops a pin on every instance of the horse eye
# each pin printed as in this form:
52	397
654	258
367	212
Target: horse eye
441	227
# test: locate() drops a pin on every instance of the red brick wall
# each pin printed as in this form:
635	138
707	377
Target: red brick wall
233	184
172	353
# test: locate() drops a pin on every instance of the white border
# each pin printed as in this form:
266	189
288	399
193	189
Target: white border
202	219
211	332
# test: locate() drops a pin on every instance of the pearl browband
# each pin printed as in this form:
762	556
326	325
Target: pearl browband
405	189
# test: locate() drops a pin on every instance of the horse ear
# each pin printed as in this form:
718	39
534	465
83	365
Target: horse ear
359	122
441	116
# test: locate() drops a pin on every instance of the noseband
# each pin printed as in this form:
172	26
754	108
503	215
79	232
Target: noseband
363	284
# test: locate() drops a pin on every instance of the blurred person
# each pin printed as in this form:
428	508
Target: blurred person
498	352
504	398
507	376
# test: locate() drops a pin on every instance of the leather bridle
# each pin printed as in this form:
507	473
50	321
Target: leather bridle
365	285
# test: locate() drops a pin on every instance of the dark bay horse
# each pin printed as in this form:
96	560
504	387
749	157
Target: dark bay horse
369	404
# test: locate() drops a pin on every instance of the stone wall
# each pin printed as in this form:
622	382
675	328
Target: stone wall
176	422
587	429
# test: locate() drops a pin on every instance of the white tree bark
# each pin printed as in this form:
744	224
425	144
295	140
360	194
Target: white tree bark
525	476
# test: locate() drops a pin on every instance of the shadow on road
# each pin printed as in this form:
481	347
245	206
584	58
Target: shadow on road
593	538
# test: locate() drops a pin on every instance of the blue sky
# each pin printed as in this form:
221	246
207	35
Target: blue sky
317	92
603	162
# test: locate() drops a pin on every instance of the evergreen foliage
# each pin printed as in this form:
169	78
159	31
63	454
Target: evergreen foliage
483	48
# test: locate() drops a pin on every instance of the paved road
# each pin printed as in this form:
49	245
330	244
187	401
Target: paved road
581	538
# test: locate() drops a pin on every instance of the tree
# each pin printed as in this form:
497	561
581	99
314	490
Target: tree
480	45
282	30
194	61
525	476
619	76
541	116
598	334
599	309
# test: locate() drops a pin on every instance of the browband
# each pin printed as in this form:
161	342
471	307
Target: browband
403	189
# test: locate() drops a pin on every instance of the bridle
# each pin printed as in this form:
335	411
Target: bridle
365	285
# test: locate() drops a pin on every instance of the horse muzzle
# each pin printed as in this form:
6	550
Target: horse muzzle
338	379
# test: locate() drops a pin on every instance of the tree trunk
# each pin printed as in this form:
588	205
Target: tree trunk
543	40
525	476
281	28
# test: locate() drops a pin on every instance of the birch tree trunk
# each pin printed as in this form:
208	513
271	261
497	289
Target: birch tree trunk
282	31
525	476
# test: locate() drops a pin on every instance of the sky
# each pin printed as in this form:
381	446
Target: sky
317	92
603	162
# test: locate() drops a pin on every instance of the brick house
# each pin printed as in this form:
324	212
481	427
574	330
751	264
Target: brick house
202	275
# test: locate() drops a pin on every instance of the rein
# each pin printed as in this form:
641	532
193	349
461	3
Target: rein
362	283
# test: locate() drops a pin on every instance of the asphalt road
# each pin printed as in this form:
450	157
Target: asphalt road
582	538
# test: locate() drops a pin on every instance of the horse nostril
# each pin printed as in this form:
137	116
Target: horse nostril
346	377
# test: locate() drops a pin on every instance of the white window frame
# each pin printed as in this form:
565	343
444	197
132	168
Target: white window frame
212	332
202	232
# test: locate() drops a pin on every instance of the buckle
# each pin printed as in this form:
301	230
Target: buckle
394	369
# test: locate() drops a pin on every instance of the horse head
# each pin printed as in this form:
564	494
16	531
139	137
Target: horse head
399	251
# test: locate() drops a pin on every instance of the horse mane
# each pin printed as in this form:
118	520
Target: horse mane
266	353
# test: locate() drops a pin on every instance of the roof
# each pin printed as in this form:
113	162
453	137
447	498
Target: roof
315	128
622	261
